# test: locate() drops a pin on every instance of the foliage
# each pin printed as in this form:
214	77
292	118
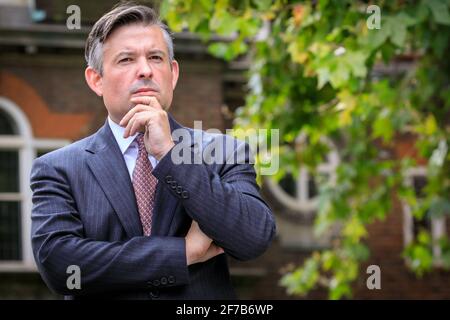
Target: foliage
317	69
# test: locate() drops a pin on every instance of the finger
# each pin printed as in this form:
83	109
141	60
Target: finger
138	124
131	113
130	129
147	100
216	249
127	131
212	251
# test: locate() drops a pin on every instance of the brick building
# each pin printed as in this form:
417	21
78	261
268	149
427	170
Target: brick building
46	104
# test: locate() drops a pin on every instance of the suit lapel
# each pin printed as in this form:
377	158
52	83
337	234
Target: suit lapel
109	168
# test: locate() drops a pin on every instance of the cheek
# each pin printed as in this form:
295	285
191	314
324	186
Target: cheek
115	87
115	97
168	84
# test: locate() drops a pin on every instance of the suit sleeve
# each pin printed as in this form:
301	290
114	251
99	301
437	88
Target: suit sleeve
58	242
225	202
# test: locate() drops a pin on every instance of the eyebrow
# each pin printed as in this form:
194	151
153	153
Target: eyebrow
131	52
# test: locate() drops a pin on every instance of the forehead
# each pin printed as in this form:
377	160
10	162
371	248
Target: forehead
135	37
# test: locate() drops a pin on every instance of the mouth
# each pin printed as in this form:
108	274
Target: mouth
145	92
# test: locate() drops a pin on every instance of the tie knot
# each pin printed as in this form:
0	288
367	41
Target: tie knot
140	141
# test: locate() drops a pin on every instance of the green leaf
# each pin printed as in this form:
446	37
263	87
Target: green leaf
323	76
196	16
302	280
398	36
383	127
164	9
249	28
424	238
175	21
407	19
377	37
339	75
354	229
206	4
440	12
340	290
356	60
430	125
224	24
262	5
218	49
440	43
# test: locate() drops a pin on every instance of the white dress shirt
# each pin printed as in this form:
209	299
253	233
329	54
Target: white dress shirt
128	146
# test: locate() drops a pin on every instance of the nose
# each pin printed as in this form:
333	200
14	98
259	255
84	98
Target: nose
145	70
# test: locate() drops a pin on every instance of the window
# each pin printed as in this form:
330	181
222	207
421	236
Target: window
416	178
17	150
6	124
300	195
10	230
298	198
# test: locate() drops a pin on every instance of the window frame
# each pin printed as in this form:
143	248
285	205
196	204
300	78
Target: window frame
301	203
438	224
296	225
28	147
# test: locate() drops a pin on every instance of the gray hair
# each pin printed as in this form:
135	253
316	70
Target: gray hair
121	15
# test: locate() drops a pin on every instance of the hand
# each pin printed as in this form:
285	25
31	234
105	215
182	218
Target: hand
148	117
199	247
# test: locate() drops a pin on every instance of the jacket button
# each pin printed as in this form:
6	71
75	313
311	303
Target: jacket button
179	189
168	179
185	194
163	281
156	282
171	279
173	184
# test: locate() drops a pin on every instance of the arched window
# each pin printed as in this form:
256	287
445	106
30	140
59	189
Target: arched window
18	148
300	195
7	126
299	201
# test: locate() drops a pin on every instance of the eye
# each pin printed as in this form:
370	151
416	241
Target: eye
156	58
124	60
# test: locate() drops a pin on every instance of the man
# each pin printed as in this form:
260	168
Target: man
120	206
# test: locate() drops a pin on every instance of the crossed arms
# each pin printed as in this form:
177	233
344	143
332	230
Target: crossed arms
224	201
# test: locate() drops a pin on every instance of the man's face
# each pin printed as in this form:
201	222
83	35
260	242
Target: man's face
136	63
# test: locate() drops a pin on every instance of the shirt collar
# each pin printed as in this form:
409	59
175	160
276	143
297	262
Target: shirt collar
118	132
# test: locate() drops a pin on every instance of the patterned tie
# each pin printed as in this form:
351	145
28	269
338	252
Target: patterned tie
144	184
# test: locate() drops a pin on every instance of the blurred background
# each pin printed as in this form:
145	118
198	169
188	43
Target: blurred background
358	90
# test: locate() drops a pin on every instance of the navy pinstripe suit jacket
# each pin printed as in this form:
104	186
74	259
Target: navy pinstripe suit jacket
85	214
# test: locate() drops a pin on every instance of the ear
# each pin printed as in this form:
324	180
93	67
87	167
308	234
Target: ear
94	80
175	73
